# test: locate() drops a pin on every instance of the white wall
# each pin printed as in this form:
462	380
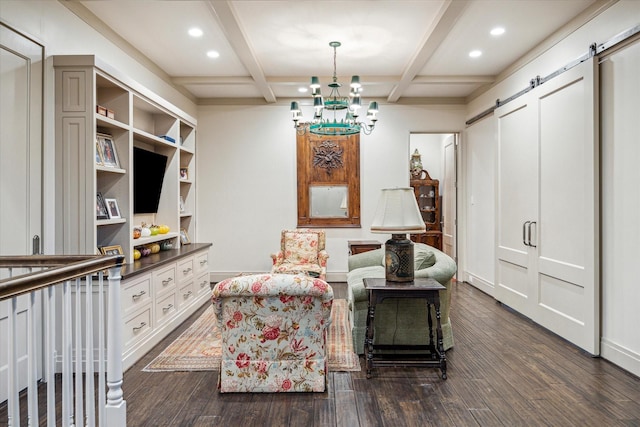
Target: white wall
247	179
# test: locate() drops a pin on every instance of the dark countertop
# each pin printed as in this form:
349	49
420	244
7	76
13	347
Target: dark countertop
155	260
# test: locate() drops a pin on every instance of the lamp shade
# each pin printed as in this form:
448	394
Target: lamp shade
397	213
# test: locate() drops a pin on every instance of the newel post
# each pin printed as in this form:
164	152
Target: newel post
116	406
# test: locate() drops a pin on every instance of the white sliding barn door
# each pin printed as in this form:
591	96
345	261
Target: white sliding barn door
548	206
517	199
21	65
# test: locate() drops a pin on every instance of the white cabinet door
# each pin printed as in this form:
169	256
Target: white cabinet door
547	229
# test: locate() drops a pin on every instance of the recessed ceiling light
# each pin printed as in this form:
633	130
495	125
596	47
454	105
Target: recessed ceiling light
497	31
213	54
302	89
195	32
475	53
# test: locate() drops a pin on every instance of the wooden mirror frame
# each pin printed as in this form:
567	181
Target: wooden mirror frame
327	160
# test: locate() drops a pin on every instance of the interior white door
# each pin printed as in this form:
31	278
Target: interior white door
449	197
21	75
547	229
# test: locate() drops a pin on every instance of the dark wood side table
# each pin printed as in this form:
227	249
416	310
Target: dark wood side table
428	289
359	246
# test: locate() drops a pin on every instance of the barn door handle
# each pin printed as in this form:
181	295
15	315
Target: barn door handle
525	225
529	233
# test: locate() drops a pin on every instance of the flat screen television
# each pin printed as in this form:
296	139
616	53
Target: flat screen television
148	175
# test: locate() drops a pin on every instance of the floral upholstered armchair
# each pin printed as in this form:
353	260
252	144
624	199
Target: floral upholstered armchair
301	251
273	329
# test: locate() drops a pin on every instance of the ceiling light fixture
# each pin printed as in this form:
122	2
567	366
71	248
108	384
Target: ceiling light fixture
350	105
213	54
475	53
497	31
195	32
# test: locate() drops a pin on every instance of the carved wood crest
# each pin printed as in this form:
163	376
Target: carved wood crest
328	155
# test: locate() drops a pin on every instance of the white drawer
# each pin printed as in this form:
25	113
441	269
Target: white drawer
136	327
201	283
185	269
165	307
164	279
186	293
201	262
136	294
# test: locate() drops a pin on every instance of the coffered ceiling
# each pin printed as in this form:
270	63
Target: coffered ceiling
403	51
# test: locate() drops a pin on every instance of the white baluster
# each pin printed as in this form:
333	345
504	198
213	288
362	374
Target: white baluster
116	408
89	346
50	354
32	357
102	398
79	413
67	373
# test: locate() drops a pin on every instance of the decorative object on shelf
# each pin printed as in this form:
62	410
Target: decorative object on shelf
137	232
99	160
103	111
166	245
136	254
101	207
184	173
415	165
144	230
112	250
184	237
112	208
397	213
108	151
347	125
327	155
167	138
181	204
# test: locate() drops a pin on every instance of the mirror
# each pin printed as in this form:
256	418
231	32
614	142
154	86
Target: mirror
328	168
328	201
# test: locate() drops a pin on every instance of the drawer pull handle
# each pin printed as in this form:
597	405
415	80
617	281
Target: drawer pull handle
167	281
136	296
203	262
186	271
202	285
187	295
167	308
142	325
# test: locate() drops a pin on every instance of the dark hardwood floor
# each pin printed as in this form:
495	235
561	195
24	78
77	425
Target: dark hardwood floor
504	370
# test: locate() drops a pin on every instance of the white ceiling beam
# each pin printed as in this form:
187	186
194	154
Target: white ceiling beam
447	16
224	14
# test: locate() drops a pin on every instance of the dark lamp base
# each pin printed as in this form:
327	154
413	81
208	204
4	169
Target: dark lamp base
398	259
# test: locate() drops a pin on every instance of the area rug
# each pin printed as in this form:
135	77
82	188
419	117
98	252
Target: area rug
198	347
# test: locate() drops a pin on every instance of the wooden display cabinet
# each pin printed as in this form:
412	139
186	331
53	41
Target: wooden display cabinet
427	195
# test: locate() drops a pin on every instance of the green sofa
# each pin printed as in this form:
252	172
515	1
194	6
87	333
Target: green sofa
399	320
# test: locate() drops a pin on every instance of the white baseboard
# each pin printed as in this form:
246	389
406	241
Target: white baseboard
621	356
480	283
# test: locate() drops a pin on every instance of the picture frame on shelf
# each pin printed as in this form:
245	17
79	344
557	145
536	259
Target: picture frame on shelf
182	204
184	174
112	208
101	207
111	250
108	151
184	237
99	161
